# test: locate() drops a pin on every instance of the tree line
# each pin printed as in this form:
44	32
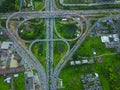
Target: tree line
9	5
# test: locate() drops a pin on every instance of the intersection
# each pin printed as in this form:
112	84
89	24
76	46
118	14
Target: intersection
49	77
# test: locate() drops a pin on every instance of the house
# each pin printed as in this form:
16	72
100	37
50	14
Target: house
96	74
77	18
15	75
7	80
77	62
110	38
91	82
6	45
94	53
72	63
105	39
64	19
84	61
112	41
100	59
4	53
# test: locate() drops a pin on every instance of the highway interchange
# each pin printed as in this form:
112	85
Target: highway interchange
48	78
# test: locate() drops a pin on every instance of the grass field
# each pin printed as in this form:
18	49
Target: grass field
38	5
67	30
32	31
90	44
60	48
19	83
108	70
3	85
39	50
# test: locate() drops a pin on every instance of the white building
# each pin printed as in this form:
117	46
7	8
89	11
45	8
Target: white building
64	19
105	39
7	80
94	53
77	62
6	45
16	75
84	61
116	37
110	38
96	74
72	63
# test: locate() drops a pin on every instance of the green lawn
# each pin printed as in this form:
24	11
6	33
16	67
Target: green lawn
27	45
72	43
38	5
90	44
19	83
32	31
108	70
3	85
67	30
60	48
39	50
3	22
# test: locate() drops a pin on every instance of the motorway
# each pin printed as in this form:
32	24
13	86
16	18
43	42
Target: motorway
49	48
54	14
49	78
28	58
64	60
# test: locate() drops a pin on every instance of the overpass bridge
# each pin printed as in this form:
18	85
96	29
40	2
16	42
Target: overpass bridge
54	14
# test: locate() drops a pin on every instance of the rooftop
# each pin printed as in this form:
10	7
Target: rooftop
5	45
